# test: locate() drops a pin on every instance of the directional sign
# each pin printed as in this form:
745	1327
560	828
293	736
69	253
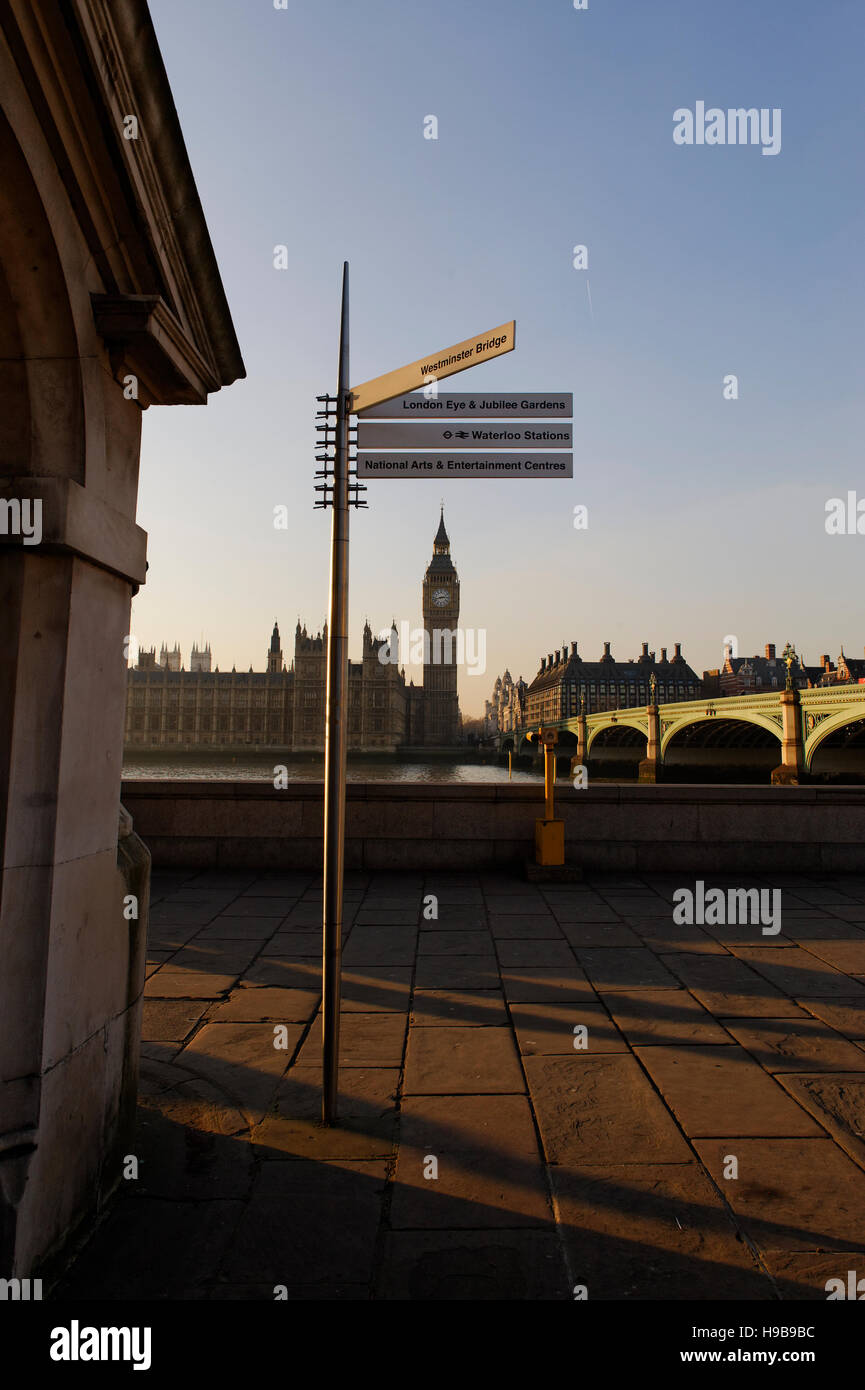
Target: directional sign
501	405
462	434
460	465
469	353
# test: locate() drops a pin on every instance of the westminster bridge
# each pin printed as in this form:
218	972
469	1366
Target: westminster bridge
798	722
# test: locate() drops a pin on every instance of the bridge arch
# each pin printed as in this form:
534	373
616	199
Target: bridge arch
723	723
635	724
828	726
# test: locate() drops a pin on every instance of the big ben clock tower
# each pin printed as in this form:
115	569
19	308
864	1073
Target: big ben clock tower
441	611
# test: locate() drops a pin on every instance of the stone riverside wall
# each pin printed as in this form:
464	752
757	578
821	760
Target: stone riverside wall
687	829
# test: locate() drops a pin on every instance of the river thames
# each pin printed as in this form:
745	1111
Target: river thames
261	769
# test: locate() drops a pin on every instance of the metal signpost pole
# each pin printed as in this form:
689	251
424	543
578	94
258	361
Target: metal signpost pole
335	743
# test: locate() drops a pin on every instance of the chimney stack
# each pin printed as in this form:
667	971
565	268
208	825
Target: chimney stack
663	653
678	656
573	649
645	649
770	651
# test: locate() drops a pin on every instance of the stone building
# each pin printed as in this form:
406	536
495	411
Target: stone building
756	675
110	302
506	711
282	709
564	680
278	710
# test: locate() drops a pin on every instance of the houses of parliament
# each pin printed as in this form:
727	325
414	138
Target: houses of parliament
282	709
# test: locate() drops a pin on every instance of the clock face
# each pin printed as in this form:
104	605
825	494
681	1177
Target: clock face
441	597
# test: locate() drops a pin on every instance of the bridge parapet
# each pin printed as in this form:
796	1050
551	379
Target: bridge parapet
800	724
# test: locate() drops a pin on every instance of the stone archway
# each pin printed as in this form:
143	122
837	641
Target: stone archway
106	275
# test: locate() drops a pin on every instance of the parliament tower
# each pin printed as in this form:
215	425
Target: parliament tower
441	611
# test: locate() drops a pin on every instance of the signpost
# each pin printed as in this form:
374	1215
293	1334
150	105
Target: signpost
389	397
462	434
460	465
470	353
497	404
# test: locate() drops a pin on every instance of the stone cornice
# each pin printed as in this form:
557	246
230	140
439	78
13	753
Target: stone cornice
145	338
74	520
89	64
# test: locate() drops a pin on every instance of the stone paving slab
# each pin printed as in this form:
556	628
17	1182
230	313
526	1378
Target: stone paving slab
600	1110
309	1223
443	1008
377	989
170	938
543	953
623	968
290	945
170	1020
229	957
543	985
284	974
652	1231
487	1169
167	913
181	1163
525	927
381	946
806	1276
457	972
242	1060
802	1044
722	1090
846	956
547	1030
791	1194
169	983
450	1061
582	935
238	929
527	902
455	943
257	907
662	1016
153	1249
837	1102
267	1004
728	988
367	1116
456	919
365	1040
473	1266
845	1015
825	929
571	912
798	971
389	917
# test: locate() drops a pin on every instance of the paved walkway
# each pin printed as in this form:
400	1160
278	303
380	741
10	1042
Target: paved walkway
706	1142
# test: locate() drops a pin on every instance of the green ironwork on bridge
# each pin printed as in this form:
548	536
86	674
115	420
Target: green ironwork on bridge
801	720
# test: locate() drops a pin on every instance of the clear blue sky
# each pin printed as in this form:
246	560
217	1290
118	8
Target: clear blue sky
706	516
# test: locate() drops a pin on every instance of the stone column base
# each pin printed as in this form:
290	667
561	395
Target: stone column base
650	770
784	776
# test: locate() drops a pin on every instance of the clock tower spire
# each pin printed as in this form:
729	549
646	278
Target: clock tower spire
441	610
